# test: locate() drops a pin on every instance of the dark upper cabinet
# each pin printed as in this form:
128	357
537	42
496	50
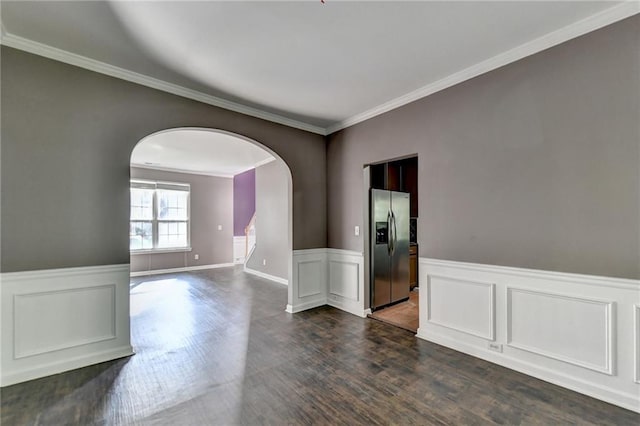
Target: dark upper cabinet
394	176
398	175
410	182
378	176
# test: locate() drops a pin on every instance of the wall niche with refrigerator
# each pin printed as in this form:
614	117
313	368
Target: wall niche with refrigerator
401	175
398	175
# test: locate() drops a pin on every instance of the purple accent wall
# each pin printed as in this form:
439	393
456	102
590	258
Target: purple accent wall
244	200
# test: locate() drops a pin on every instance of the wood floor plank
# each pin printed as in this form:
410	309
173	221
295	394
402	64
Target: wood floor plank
216	348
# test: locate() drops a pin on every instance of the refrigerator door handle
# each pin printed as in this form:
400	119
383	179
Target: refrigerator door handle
389	233
395	232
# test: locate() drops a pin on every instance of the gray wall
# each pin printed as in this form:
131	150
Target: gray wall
67	137
272	221
532	165
211	205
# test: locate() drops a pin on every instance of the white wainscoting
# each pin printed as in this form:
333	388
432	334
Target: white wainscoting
577	331
567	328
346	281
636	346
239	248
328	277
462	305
61	319
309	287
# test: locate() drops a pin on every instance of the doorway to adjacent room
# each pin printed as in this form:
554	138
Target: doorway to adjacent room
391	241
187	202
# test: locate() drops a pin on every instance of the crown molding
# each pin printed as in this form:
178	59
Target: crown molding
60	55
258	164
191	172
183	171
577	29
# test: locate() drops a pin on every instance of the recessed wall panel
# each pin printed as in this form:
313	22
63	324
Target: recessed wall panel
310	278
462	305
636	349
50	321
343	279
567	328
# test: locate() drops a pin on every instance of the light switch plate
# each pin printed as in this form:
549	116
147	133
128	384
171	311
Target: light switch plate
356	230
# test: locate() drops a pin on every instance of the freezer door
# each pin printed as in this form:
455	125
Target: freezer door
380	248
400	244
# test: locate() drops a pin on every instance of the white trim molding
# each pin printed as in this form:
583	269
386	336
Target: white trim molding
636	346
61	319
25	305
328	276
578	331
591	280
309	286
184	269
592	23
573	337
239	248
183	171
273	278
67	57
554	38
345	281
458	305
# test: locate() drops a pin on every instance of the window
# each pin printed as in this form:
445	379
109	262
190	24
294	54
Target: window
159	216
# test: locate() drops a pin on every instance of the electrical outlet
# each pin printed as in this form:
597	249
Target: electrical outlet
264	262
497	347
196	256
219	227
356	230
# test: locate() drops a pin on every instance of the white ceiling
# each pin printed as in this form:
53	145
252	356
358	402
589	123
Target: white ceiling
320	67
198	151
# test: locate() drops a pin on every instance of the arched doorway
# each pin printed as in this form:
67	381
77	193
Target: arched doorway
201	152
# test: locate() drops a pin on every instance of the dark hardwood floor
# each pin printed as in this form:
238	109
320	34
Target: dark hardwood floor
216	347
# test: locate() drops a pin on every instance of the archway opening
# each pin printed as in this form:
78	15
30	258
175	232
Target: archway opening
205	198
190	294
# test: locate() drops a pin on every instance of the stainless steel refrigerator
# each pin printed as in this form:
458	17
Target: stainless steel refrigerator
389	247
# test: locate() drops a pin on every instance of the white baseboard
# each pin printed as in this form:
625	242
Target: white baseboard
573	330
345	307
62	319
185	269
305	306
61	366
279	280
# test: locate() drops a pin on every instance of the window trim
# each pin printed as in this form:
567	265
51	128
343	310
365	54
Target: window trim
156	185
